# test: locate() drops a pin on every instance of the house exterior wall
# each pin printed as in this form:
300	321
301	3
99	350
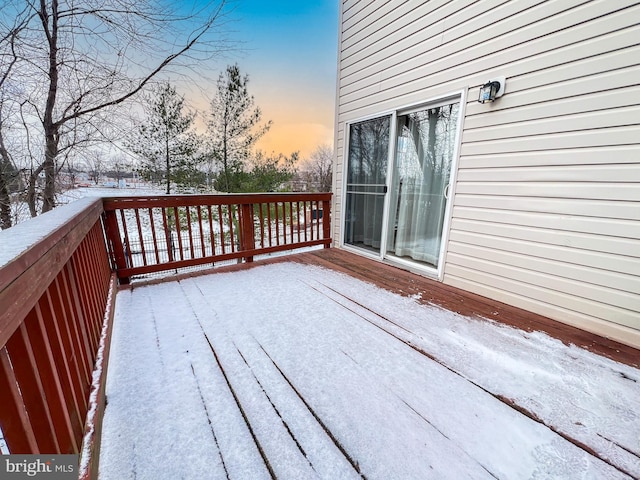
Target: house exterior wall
546	202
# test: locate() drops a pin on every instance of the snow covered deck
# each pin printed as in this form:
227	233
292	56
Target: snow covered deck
294	371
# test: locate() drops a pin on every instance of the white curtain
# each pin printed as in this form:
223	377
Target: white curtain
426	143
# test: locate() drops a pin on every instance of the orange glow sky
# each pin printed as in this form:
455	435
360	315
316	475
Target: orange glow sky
289	50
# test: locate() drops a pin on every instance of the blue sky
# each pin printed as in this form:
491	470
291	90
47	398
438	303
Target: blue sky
289	50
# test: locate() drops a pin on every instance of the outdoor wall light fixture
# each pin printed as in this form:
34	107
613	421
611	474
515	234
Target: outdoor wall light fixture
491	90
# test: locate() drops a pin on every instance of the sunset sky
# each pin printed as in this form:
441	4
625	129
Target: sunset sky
289	49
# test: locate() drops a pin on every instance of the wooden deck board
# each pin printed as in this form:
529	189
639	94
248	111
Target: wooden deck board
210	379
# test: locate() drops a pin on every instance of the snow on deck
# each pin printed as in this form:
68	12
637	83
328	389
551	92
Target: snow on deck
292	371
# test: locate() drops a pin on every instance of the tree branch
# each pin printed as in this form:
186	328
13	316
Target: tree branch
152	74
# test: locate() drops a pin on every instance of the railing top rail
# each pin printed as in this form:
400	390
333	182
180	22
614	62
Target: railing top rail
33	252
144	201
24	243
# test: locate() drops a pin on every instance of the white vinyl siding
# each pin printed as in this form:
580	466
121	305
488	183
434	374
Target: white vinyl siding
546	205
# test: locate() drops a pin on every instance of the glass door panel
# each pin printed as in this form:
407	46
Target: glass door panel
366	182
424	154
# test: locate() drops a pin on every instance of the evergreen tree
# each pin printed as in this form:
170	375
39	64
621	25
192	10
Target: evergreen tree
233	129
165	143
269	174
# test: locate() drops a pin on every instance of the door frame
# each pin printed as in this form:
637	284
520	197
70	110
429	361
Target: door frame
420	268
345	174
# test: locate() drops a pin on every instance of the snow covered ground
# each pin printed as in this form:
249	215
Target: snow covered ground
81	192
293	371
20	210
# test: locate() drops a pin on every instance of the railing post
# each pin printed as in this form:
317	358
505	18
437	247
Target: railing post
113	237
247	239
326	221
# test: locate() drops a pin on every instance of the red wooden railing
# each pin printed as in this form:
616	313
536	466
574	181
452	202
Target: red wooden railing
152	234
54	297
57	295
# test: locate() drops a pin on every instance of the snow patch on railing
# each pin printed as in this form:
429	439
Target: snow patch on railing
90	423
21	237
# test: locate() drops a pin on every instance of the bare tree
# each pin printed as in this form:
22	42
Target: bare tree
118	168
76	61
94	163
8	60
317	170
6	169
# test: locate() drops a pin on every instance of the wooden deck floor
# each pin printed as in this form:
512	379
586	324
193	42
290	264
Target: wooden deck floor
429	291
287	371
465	303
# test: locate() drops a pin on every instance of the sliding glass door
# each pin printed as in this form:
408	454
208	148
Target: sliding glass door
366	183
425	146
416	172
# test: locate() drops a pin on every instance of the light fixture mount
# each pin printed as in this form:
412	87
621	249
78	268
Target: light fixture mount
491	90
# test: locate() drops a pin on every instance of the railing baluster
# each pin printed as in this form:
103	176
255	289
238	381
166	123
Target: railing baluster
32	390
153	235
269	224
167	235
306	215
283	205
231	232
211	235
305	209
203	253
261	217
311	225
127	243
291	219
191	250
176	216
298	220
222	236
277	224
318	219
16	427
136	212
